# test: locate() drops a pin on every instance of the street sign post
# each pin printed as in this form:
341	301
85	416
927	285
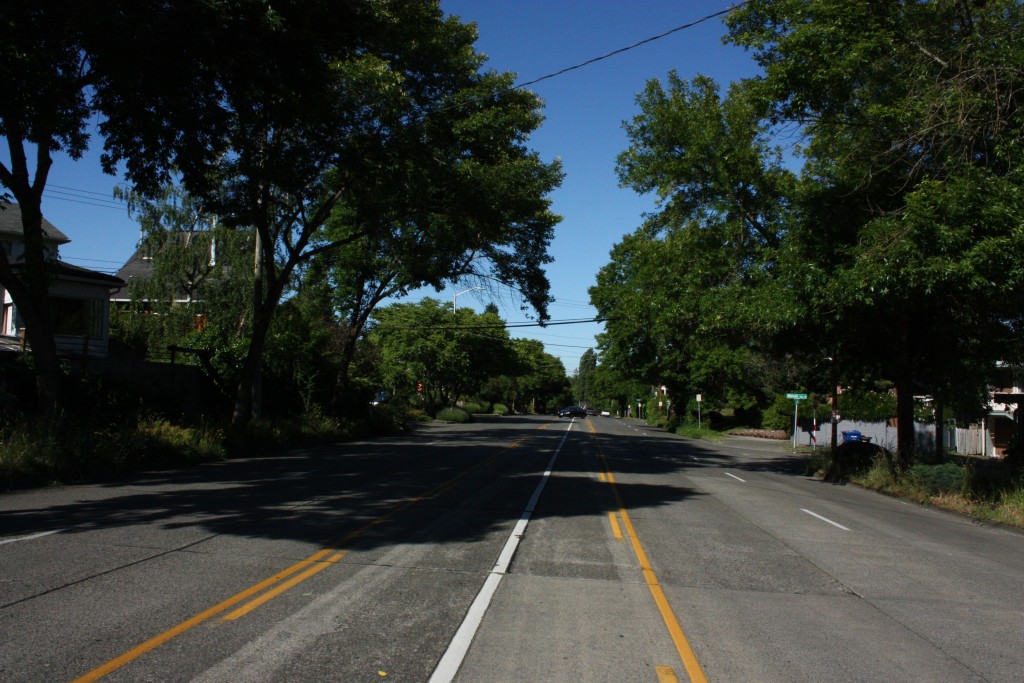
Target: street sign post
796	413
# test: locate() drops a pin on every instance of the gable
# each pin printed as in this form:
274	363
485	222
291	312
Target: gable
10	226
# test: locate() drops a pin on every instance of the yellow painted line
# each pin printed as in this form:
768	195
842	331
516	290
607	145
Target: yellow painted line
314	559
159	640
686	654
281	588
666	674
616	529
600	475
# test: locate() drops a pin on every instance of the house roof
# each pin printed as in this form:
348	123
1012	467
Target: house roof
10	225
68	272
140	265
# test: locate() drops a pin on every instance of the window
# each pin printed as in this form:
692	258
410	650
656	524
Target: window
79	317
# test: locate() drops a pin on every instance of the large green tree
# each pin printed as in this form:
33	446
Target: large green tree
44	110
374	110
694	292
453	197
537	382
450	354
910	227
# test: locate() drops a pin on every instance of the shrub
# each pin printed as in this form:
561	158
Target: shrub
417	415
500	409
472	407
156	442
454	415
386	419
855	457
936	479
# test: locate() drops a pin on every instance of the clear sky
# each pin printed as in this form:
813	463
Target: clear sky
584	111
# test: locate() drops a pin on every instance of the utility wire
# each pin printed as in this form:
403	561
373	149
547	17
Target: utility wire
503	326
518	86
633	46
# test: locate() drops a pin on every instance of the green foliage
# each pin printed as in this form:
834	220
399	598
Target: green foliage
779	415
692	431
935	479
893	251
474	407
584	382
854	458
454	415
867	406
448	353
500	409
81	448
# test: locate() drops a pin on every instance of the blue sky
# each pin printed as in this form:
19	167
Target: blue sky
584	111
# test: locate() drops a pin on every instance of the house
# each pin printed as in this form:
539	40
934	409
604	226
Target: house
195	257
79	298
1004	420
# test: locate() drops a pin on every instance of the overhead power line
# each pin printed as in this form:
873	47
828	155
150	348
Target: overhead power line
503	326
613	53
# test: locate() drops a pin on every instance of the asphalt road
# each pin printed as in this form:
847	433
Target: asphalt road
512	549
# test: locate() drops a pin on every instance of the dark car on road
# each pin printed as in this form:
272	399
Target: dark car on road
572	411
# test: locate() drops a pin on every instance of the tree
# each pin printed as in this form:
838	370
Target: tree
200	274
912	113
374	113
457	196
693	293
44	111
448	353
584	380
537	381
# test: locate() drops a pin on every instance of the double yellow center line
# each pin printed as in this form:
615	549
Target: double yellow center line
277	584
686	654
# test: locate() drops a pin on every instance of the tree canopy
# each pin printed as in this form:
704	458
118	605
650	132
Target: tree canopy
895	251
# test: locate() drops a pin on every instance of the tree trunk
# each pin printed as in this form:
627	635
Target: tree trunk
904	423
243	411
31	296
940	451
342	399
249	382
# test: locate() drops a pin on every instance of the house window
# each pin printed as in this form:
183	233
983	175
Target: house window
8	327
78	317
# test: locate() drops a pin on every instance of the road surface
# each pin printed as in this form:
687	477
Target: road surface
511	549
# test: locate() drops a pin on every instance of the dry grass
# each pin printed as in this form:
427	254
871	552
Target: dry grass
1004	505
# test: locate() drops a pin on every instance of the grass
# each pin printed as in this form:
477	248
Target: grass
454	415
32	454
692	431
78	449
984	490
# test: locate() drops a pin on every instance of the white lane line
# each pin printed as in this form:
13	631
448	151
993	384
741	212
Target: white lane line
296	475
693	457
453	657
735	477
33	536
824	519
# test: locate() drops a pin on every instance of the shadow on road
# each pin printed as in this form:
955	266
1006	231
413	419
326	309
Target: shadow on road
440	483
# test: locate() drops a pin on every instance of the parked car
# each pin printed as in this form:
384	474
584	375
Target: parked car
572	411
591	411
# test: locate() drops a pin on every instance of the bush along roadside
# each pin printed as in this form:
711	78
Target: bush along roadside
988	490
77	449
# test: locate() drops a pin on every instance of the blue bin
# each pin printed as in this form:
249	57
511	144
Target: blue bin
852	435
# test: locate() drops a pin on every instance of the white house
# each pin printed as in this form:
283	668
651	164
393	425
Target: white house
79	298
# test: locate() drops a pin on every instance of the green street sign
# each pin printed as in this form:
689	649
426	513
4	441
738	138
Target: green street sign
798	397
